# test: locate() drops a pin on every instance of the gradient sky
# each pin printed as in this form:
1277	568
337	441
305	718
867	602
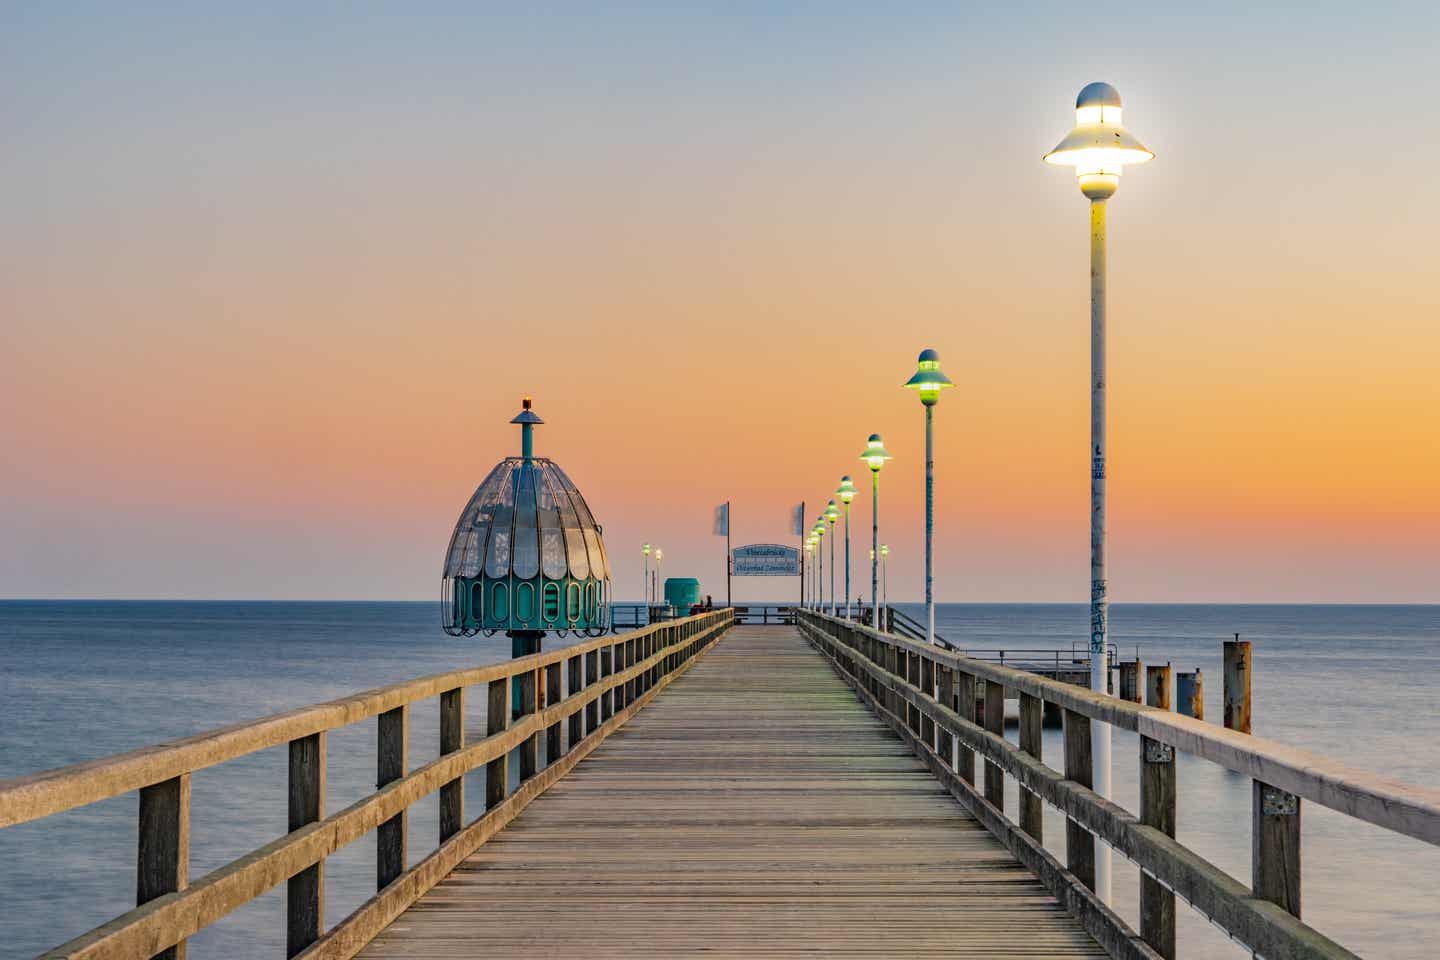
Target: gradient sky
275	277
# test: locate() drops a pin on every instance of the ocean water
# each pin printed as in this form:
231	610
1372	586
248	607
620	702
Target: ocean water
80	680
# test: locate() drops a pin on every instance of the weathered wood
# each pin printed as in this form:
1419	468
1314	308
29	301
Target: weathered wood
1079	767
1157	809
1261	926
995	723
607	669
592	677
853	806
452	738
497	718
1032	742
1157	686
392	763
1275	846
927	683
147	929
1132	680
1190	693
553	749
965	694
529	682
1237	672
163	858
945	693
38	795
574	684
305	891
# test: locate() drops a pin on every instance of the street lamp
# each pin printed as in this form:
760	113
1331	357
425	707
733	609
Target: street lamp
928	381
659	556
875	455
1098	148
818	532
831	514
885	580
646	551
809	568
847	493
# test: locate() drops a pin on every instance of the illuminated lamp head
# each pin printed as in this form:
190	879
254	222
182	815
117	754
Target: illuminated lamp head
874	453
1099	146
928	381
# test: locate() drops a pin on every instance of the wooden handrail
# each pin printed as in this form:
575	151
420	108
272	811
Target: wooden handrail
622	672
887	671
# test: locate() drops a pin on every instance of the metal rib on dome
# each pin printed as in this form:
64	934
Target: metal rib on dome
526	553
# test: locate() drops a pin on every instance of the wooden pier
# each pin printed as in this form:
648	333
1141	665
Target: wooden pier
695	786
757	809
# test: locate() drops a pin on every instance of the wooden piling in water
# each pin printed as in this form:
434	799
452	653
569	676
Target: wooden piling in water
1132	673
1190	693
1157	686
1237	685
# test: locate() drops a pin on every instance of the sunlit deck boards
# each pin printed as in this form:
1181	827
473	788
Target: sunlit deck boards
755	809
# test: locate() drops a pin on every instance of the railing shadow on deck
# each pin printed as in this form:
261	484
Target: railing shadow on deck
928	695
605	682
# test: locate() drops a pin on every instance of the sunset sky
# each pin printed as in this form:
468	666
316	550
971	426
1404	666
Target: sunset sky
275	277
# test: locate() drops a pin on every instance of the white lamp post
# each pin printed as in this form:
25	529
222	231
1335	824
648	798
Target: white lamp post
875	456
1098	148
847	492
928	382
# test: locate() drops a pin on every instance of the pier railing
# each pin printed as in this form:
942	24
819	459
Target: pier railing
573	697
928	695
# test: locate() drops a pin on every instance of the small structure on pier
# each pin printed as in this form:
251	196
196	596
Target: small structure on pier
527	556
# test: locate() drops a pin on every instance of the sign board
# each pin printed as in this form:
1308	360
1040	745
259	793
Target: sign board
765	560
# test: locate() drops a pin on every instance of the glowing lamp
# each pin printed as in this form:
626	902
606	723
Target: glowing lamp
1099	146
832	513
846	490
874	453
928	381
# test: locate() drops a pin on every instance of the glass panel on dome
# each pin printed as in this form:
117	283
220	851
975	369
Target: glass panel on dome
526	548
497	561
552	540
595	565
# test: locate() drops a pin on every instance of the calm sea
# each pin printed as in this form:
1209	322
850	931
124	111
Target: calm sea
83	679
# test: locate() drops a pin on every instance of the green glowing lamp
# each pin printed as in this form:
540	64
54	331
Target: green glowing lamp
846	490
646	550
928	380
875	453
884	550
832	513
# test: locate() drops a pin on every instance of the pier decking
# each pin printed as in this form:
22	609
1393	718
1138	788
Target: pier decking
755	809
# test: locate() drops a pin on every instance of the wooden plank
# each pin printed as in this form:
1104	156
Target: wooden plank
497	719
305	891
1079	767
452	738
1275	846
529	683
965	757
553	749
392	763
163	857
995	723
1032	742
757	809
1157	809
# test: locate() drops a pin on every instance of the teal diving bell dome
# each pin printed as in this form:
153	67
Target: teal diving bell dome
527	556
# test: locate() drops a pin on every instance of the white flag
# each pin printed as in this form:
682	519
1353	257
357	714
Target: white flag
722	520
797	519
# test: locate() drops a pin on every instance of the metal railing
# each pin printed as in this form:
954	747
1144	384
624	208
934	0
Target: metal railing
573	697
928	695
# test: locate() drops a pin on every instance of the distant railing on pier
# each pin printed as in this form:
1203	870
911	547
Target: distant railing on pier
583	692
928	695
630	616
1076	656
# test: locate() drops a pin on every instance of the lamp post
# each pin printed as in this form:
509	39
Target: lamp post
1098	148
818	532
846	492
875	455
928	381
885	580
646	550
659	556
809	572
832	513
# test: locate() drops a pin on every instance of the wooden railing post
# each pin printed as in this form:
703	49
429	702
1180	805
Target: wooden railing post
305	892
927	683
573	685
1275	846
995	723
965	757
945	693
1032	742
912	663
452	738
607	697
392	754
553	749
592	676
497	720
1157	809
529	701
1079	842
162	862
1237	685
